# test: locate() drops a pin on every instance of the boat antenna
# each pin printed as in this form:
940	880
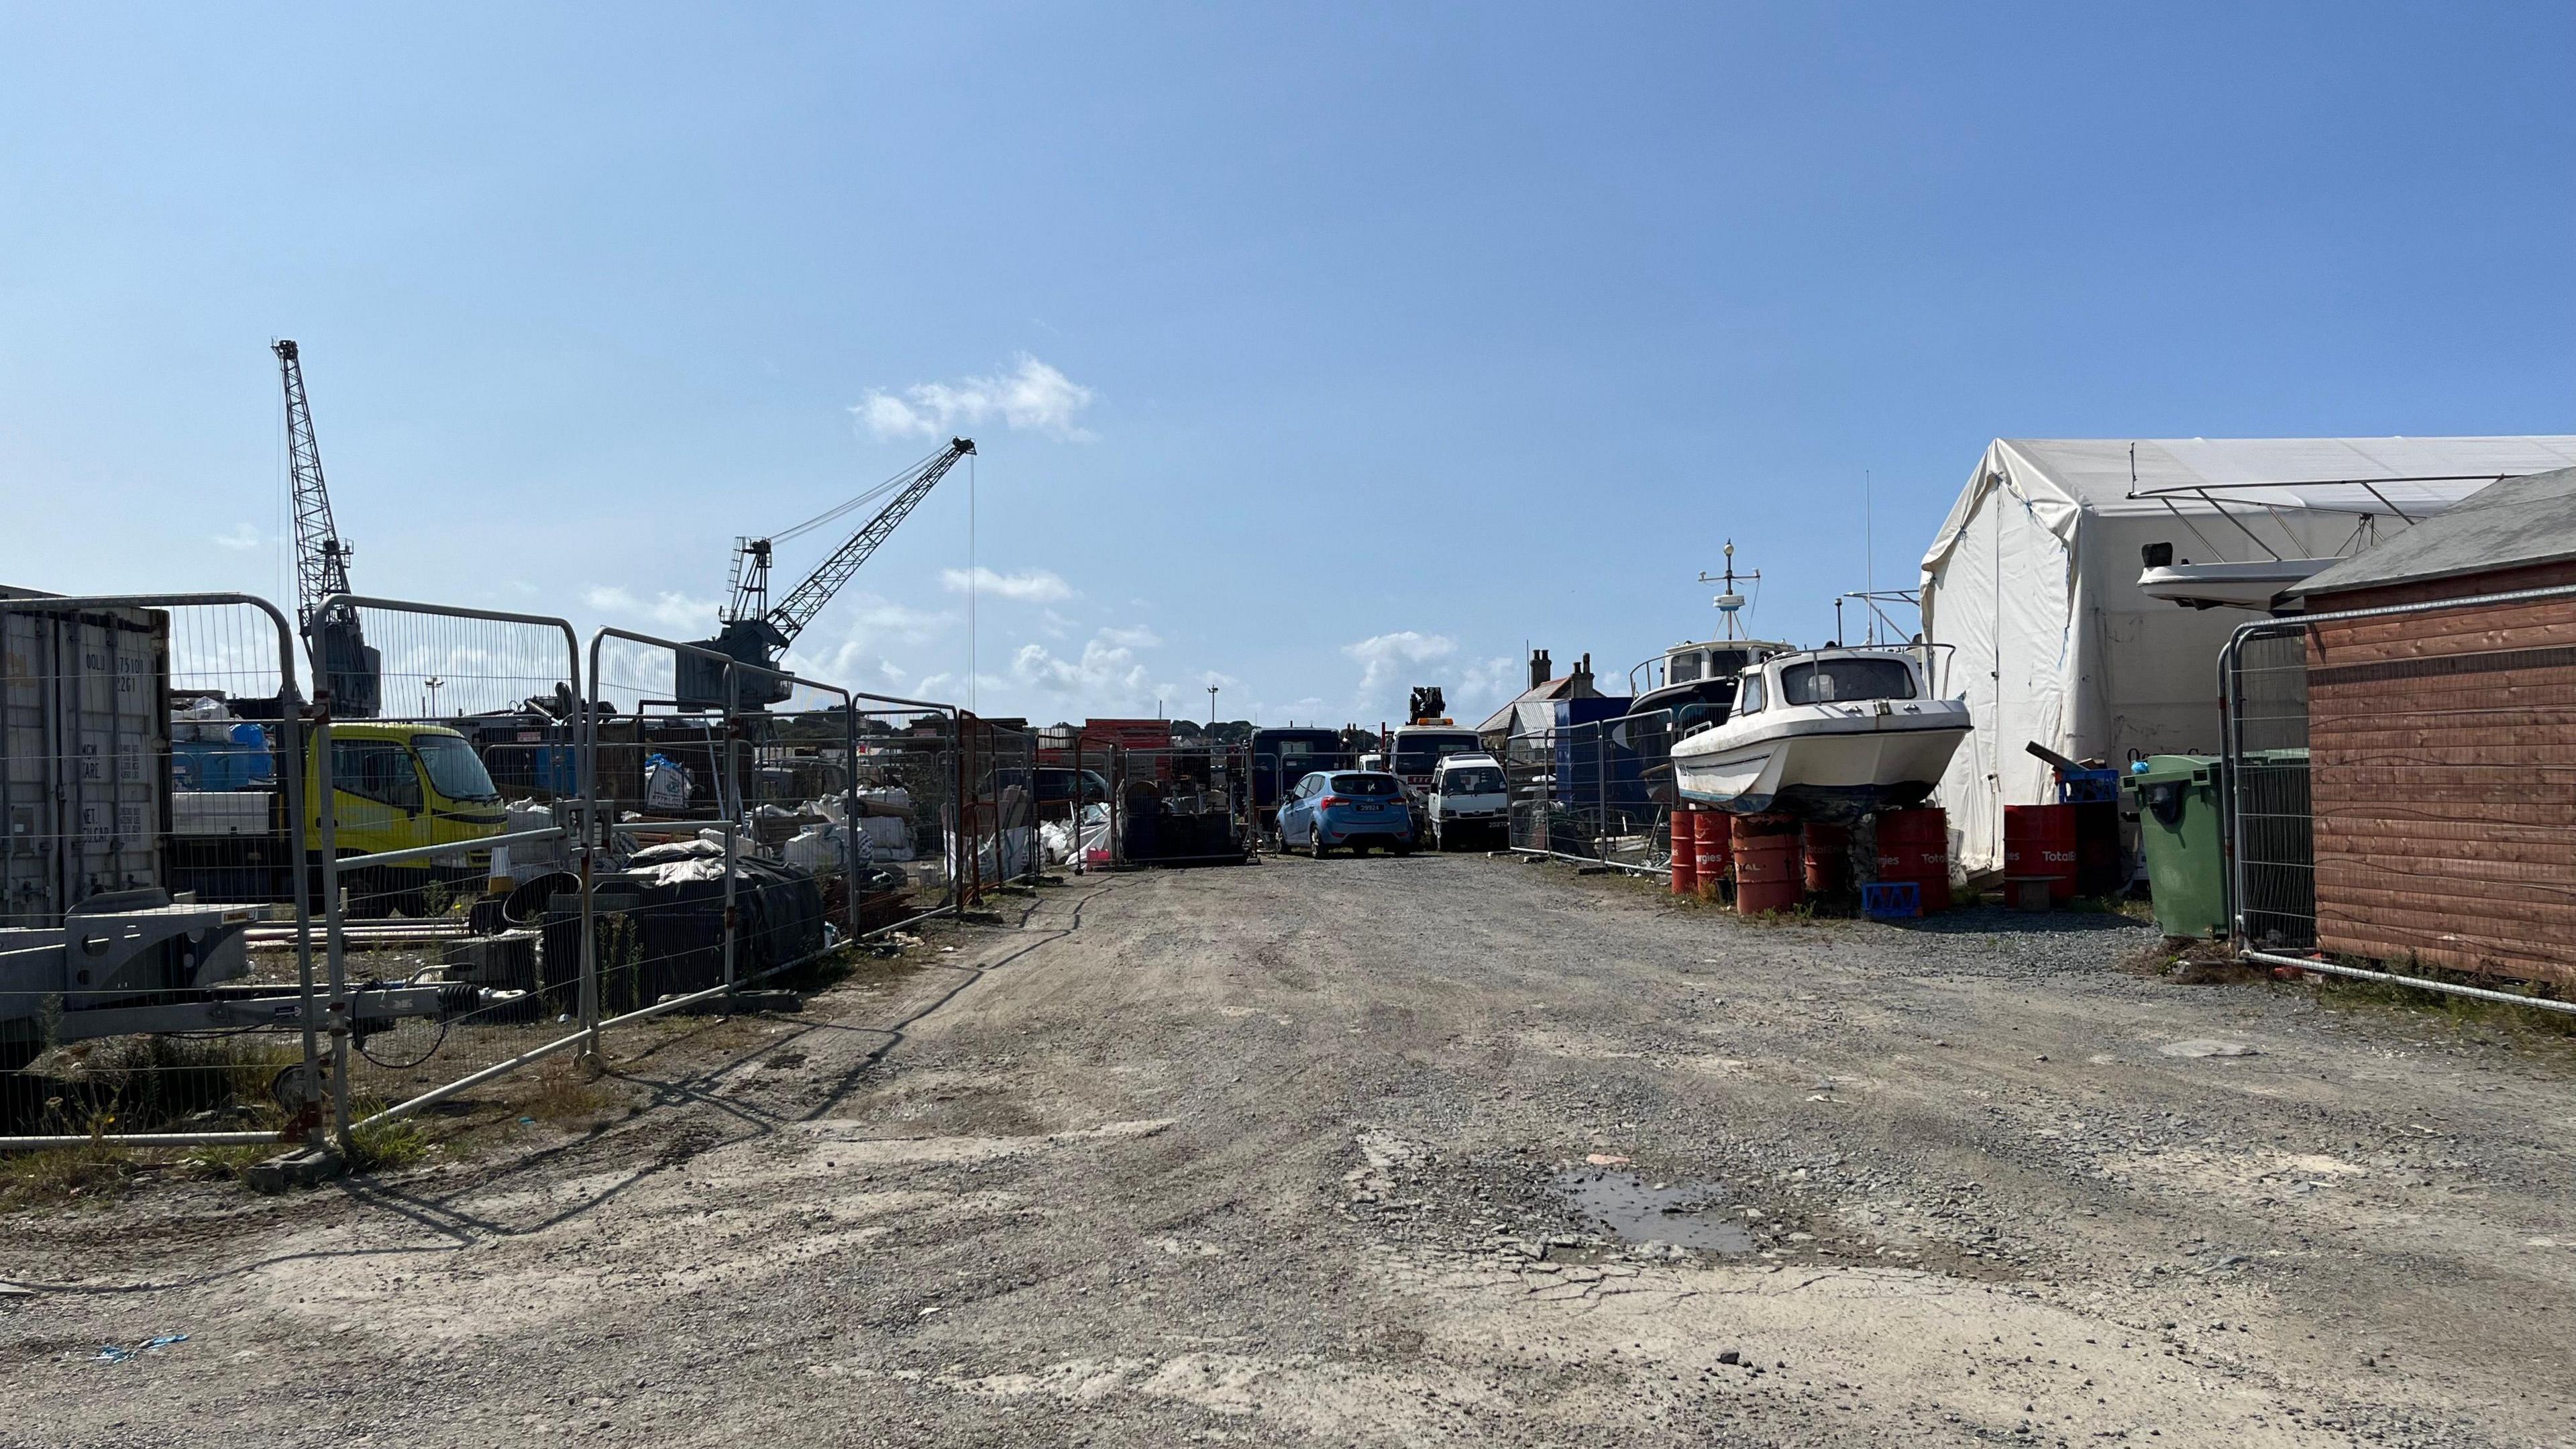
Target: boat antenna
1731	602
1868	551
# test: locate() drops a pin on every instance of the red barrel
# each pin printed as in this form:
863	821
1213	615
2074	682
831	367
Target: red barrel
1716	851
1828	853
1915	845
1685	837
2039	844
1766	873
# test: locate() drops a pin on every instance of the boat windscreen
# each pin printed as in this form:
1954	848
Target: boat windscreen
1839	681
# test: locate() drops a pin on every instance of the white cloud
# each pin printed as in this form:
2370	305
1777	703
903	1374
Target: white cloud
669	610
1383	657
1037	586
1484	687
1105	675
1031	397
243	536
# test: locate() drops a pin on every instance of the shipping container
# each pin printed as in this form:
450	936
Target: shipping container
84	754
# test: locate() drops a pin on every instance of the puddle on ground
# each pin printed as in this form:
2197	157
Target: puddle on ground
1628	1207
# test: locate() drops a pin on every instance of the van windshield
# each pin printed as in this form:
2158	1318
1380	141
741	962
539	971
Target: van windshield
1478	780
1363	785
1836	681
1422	754
454	769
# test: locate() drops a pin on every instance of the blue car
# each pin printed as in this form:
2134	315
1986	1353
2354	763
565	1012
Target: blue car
1357	808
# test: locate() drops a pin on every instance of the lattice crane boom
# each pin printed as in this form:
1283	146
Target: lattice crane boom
321	556
792	613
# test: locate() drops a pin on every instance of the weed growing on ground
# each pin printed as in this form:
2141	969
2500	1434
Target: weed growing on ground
380	1146
563	1090
2464	1016
64	1176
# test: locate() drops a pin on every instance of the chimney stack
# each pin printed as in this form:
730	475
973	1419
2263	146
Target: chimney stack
1540	670
1583	677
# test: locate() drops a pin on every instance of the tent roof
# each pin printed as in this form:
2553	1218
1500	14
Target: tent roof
2060	477
2515	523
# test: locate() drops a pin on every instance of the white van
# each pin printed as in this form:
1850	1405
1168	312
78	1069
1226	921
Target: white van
1469	801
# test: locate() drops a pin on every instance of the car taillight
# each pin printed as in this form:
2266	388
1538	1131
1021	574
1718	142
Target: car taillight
1331	800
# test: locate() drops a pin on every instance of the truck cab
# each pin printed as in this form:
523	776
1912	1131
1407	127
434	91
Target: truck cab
1469	800
400	786
395	786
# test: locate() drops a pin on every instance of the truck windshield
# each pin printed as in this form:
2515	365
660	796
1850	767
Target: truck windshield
1422	754
1834	681
453	768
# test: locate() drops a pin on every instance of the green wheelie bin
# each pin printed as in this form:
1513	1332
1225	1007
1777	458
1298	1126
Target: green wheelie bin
2176	797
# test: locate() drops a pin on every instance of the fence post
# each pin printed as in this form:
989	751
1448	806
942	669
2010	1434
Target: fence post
850	810
290	737
730	801
1601	793
333	923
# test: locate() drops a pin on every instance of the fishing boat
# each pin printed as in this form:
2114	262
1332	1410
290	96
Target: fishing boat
1828	734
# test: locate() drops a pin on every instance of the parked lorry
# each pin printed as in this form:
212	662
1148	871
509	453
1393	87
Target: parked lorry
395	786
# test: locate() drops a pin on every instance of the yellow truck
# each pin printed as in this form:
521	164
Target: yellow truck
394	787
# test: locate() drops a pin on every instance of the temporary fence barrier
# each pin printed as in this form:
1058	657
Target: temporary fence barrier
1178	806
2397	792
1598	793
434	882
152	845
516	857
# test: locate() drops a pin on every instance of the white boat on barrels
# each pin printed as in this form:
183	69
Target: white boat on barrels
1828	734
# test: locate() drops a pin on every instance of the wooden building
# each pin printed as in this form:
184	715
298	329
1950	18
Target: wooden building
2442	741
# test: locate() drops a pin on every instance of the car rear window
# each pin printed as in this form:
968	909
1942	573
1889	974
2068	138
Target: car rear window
1363	785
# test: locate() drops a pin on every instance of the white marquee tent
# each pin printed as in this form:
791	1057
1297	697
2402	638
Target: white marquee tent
2034	583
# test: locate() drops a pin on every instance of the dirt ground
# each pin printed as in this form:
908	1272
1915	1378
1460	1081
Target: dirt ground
1444	1149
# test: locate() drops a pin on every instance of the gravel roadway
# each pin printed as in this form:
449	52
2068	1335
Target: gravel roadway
1417	1151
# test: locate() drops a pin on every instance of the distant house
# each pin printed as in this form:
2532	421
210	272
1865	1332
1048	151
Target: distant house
1534	709
2442	739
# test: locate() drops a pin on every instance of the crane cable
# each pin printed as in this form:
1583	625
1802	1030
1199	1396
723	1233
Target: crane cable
863	500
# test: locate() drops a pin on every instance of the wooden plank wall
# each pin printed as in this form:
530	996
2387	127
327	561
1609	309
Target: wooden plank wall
2443	763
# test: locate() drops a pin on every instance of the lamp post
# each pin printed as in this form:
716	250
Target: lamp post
431	684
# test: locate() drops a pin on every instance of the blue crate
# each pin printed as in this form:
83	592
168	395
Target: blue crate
2076	787
1890	900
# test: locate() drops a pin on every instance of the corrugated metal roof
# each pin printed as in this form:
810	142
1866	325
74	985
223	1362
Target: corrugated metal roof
2512	524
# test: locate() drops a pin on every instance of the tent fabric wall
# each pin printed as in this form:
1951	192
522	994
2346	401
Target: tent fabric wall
2032	583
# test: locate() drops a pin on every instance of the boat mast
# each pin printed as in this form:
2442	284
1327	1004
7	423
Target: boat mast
1731	603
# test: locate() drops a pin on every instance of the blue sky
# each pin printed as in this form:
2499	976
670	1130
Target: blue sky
1321	350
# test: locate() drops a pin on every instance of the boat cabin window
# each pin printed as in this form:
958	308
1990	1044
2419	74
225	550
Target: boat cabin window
1729	661
1840	681
1748	695
1685	668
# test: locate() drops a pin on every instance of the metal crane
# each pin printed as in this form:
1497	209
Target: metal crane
756	631
352	673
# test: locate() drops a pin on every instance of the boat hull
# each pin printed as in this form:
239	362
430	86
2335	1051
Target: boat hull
1834	769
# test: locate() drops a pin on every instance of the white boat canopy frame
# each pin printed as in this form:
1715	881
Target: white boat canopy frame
2034	579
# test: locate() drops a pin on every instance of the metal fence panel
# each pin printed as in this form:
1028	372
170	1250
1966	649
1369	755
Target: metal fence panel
1597	793
2273	871
436	881
156	974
